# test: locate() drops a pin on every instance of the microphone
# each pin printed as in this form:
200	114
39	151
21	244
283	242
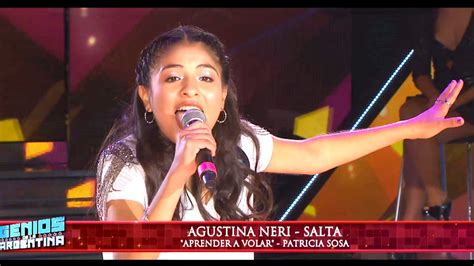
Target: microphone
207	170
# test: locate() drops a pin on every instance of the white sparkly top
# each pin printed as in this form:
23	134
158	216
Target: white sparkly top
125	180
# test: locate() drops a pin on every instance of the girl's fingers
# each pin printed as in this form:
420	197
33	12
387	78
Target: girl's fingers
446	92
453	95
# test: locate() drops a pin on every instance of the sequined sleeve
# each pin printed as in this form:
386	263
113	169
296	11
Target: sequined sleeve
120	176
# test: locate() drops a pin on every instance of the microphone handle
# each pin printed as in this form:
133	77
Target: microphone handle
207	170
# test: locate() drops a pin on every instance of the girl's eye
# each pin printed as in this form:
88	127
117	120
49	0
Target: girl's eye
173	78
206	79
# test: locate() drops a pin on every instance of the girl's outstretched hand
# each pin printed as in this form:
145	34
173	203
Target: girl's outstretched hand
433	121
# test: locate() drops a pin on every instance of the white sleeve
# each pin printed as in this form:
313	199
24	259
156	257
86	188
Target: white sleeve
129	184
265	142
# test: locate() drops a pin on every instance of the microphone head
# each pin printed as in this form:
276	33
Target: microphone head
191	116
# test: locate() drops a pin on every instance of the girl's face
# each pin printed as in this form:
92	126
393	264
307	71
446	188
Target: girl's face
186	76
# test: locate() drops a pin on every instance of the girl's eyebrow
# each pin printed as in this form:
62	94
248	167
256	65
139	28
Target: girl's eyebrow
170	66
181	66
209	66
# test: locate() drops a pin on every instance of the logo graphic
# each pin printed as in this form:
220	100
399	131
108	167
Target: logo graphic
43	233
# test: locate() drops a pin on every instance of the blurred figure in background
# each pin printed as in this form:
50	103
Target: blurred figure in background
447	41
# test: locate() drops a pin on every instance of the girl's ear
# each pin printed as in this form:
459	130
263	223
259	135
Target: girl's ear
144	95
224	96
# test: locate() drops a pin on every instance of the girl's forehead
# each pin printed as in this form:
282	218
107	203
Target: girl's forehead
186	50
184	54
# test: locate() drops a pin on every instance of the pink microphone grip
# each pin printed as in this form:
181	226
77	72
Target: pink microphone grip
206	166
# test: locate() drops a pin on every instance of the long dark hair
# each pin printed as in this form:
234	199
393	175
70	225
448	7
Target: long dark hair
155	152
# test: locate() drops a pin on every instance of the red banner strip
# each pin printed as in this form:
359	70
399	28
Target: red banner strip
294	236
